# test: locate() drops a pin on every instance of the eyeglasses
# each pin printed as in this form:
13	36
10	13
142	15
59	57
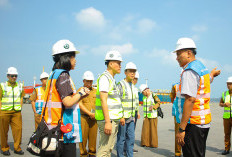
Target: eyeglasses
13	76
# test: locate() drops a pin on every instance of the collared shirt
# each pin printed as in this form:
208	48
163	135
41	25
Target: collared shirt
12	85
89	101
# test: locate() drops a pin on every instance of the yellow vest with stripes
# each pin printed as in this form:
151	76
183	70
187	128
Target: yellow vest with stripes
11	97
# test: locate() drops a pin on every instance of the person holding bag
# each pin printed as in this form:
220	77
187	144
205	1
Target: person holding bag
149	136
61	99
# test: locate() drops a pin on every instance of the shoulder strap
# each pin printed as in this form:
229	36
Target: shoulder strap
47	101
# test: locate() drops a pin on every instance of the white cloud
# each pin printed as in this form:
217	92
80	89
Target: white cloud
146	25
123	49
91	18
199	28
196	37
210	64
166	56
4	3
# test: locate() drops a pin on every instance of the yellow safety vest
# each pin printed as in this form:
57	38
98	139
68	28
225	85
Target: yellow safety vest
129	99
147	102
113	101
11	98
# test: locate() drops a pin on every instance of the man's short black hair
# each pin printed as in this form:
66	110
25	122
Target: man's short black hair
107	63
194	51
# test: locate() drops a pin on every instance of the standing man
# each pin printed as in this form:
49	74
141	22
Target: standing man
194	116
137	114
11	100
37	98
88	122
174	108
227	117
129	98
108	104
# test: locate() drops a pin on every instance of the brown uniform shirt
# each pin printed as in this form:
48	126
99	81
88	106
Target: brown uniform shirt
33	95
89	101
9	84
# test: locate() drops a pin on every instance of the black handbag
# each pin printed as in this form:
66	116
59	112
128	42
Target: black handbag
45	141
159	110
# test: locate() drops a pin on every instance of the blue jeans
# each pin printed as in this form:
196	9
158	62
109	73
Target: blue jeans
126	135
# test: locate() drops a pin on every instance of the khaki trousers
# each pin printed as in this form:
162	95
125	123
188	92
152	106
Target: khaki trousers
149	136
14	119
177	146
106	142
227	130
37	120
89	133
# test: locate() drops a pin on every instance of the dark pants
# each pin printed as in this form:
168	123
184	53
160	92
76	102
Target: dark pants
195	141
136	117
68	150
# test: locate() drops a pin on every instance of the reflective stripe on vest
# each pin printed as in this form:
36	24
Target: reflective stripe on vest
226	99
54	108
11	99
39	100
148	102
113	101
129	99
201	110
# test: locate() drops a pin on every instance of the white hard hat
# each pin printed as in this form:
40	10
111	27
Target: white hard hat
63	46
44	75
142	87
130	65
184	43
229	80
113	55
12	71
88	75
137	74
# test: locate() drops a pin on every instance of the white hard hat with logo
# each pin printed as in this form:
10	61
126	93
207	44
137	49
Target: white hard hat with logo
130	65
63	46
229	80
184	43
137	74
12	71
88	75
44	75
113	55
142	87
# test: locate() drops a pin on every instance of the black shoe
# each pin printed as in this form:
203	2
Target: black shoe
225	152
135	151
6	153
19	152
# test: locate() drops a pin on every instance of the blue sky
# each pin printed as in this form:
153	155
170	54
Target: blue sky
145	32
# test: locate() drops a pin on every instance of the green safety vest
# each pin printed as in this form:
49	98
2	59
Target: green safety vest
147	102
129	99
227	110
11	98
113	101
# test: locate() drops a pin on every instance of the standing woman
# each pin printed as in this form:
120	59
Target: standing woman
149	136
61	96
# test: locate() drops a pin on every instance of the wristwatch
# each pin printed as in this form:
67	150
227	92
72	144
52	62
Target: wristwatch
80	93
181	130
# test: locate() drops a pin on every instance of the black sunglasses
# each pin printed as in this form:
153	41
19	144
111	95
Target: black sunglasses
13	76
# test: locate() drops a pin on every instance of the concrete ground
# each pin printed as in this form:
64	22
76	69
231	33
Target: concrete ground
215	144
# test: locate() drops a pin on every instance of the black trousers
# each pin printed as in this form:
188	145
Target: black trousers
195	141
68	150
